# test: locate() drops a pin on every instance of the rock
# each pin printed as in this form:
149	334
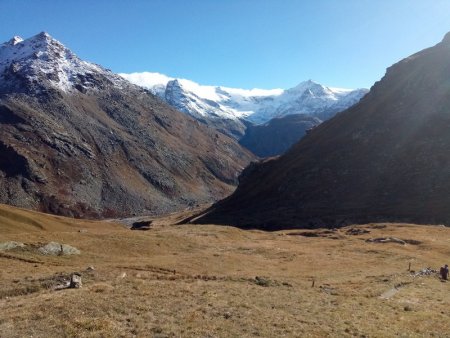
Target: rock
75	281
424	272
90	268
386	240
407	308
356	231
262	281
412	241
10	245
57	249
141	225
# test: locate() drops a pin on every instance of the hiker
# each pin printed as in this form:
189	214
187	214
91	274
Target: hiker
444	272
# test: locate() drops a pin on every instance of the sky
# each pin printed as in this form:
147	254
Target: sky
238	43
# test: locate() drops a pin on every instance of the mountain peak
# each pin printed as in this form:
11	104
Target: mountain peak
306	85
15	40
308	82
20	48
174	82
43	35
446	38
43	40
42	59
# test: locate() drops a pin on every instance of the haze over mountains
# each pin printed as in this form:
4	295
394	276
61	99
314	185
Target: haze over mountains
384	159
78	140
231	110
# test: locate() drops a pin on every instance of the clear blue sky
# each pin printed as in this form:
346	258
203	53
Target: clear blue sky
238	43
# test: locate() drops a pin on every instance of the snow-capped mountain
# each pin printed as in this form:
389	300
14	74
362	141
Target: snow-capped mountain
44	60
255	105
79	140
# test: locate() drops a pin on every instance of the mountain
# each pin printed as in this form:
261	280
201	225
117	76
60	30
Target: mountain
78	140
216	104
278	135
385	159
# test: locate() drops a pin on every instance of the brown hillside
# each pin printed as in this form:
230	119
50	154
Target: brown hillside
99	146
385	159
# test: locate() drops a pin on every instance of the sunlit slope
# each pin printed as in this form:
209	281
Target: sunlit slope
219	281
16	220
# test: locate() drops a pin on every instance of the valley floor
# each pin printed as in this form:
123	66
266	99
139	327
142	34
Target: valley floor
215	281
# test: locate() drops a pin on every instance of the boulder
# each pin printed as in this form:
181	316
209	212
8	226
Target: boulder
10	245
57	249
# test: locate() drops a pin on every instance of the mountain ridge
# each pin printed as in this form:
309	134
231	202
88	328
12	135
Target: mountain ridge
79	140
255	105
231	109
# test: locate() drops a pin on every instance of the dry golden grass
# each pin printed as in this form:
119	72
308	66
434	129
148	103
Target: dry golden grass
199	281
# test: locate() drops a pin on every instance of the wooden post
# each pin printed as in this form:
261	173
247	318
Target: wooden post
409	267
313	282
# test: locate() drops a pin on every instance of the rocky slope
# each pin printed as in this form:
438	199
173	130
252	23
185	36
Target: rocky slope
226	108
78	140
385	159
278	135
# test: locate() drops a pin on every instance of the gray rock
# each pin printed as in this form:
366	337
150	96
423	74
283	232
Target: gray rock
57	249
356	231
386	240
262	281
10	245
75	281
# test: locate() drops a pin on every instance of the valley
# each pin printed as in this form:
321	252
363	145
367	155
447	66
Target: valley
208	280
197	204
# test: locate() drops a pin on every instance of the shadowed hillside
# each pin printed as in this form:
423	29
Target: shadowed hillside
278	135
385	159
